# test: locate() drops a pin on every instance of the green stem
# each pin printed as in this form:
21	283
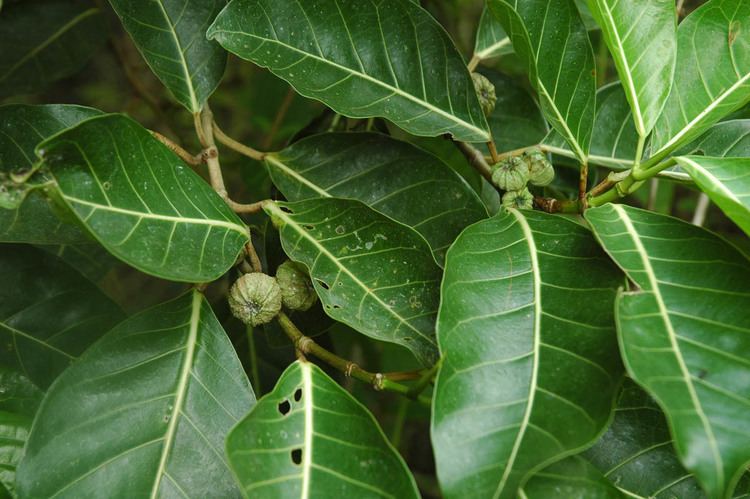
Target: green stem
398	424
425	380
306	345
629	185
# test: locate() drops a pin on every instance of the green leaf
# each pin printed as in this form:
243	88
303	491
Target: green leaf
14	430
614	140
684	334
526	379
517	120
17	393
141	202
49	314
491	39
729	139
310	438
22	127
642	38
551	39
143	413
636	452
170	34
371	273
362	58
395	178
44	41
712	77
571	477
727	183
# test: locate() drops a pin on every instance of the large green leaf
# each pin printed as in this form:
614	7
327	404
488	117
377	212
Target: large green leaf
49	314
372	273
362	58
395	178
142	202
310	438
170	34
614	140
573	477
14	430
526	378
642	38
727	183
143	413
636	452
684	334
516	121
552	40
22	127
43	41
712	77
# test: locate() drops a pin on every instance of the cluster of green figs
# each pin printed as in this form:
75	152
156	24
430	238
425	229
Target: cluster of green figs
514	173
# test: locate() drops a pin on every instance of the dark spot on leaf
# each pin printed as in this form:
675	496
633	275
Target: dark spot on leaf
323	284
297	456
285	209
702	374
284	407
308	227
297	394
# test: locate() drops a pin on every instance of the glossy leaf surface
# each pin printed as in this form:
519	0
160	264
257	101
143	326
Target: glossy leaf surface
22	127
526	378
727	183
397	179
684	334
170	34
571	477
362	58
144	413
565	77
712	76
370	272
49	314
642	38
142	202
310	438
44	41
637	454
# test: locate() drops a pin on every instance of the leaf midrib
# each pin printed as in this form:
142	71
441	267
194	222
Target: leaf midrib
155	216
394	90
322	249
529	236
188	81
307	389
182	386
714	181
675	141
663	312
628	81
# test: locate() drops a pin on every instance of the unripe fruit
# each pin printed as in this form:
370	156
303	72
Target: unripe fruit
520	200
541	171
486	93
255	299
297	291
510	174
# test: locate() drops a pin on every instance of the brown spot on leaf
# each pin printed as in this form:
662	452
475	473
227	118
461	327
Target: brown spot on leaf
734	31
